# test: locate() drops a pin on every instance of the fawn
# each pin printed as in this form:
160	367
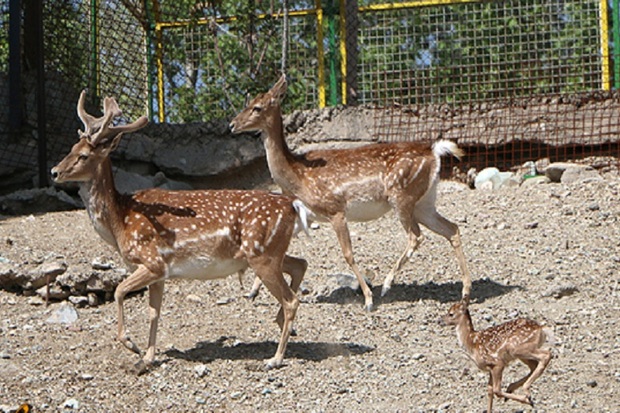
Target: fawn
496	347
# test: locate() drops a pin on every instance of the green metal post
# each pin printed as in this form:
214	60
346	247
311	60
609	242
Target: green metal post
332	55
616	33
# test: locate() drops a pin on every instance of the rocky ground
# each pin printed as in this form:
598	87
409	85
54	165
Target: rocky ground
550	252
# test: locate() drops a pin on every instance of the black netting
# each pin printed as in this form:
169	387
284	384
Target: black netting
188	60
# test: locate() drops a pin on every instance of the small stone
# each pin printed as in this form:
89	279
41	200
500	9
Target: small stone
592	383
223	301
193	298
71	404
78	300
536	180
202	370
93	300
35	300
266	391
315	225
559	291
87	377
100	264
531	225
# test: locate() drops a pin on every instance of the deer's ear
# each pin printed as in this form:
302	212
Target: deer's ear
110	145
115	142
278	90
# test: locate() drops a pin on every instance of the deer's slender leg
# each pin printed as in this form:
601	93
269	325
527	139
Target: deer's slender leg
490	394
532	364
156	295
496	372
339	223
271	276
413	234
140	278
431	219
255	289
296	268
544	357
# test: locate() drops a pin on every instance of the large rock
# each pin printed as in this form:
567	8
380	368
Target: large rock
557	170
575	175
192	150
35	200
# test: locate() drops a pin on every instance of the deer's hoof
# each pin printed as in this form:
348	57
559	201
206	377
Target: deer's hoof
141	367
385	290
126	341
273	363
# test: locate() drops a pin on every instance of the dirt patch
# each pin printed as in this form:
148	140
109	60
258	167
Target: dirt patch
549	252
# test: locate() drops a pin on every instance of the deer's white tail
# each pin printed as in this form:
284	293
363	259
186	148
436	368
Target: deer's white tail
444	147
549	336
302	212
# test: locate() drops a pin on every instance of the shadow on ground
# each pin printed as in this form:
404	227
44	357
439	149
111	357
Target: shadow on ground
206	351
482	289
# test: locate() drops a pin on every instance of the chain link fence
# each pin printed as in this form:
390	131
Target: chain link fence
459	69
511	81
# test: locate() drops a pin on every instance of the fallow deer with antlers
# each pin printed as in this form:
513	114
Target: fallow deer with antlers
496	347
196	234
359	184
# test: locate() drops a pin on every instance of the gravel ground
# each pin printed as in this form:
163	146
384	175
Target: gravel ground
550	252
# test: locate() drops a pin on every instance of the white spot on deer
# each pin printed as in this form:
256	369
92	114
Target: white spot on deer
274	230
257	246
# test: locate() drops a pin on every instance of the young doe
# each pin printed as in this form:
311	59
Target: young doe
201	234
359	184
496	347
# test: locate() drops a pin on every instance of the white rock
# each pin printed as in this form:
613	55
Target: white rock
65	314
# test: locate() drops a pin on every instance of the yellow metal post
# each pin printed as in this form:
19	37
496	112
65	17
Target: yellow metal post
605	78
343	49
412	4
320	52
159	57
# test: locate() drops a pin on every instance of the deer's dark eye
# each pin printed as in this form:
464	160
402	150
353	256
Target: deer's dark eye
257	109
82	156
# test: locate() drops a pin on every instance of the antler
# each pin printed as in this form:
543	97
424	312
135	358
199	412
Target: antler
98	129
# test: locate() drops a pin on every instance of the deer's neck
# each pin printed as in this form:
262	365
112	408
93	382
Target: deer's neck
102	201
282	163
465	332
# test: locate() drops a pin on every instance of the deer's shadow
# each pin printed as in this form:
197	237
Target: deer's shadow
206	351
481	290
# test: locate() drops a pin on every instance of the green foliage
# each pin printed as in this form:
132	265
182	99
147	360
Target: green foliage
478	51
226	51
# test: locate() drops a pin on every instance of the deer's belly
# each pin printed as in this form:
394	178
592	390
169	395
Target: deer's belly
366	210
205	268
